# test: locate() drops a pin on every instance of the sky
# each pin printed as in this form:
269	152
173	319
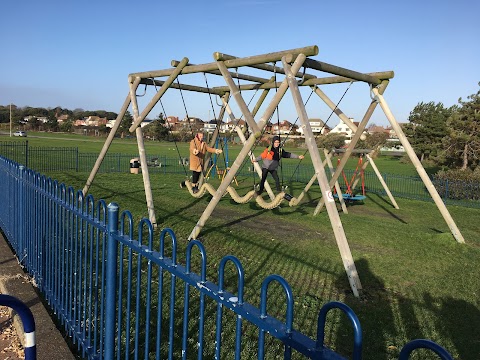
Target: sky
78	54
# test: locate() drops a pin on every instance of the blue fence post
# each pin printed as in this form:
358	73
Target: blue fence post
111	281
21	214
28	323
424	344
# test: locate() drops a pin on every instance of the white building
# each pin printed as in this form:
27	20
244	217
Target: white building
318	127
342	128
210	126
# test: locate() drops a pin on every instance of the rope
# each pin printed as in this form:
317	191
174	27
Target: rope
173	137
280	162
189	125
217	125
236	197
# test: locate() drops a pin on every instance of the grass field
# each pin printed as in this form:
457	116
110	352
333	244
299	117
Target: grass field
418	282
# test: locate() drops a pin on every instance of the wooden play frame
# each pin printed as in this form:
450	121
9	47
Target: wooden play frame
292	62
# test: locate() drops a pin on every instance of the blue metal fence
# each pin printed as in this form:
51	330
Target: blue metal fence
119	293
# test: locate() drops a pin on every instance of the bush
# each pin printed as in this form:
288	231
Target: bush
458	184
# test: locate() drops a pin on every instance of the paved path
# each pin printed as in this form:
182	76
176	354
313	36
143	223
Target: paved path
13	281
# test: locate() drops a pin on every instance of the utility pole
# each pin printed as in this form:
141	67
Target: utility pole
10	119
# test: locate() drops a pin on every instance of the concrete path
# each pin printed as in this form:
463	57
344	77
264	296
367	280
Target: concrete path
13	281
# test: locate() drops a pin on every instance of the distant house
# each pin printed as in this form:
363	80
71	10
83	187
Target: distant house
172	122
342	128
95	121
375	129
230	126
210	126
191	124
392	133
146	122
62	118
318	127
80	122
282	128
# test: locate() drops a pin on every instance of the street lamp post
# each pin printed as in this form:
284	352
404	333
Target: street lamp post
10	119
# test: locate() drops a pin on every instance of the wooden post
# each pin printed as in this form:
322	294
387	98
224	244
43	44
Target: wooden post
384	184
344	159
109	140
337	185
212	142
353	127
159	94
175	63
231	63
143	158
419	167
337	226
242	155
238	97
251	155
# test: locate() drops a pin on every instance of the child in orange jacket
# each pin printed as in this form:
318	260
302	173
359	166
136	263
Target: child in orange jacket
271	160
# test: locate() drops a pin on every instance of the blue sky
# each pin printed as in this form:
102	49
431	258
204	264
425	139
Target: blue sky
78	54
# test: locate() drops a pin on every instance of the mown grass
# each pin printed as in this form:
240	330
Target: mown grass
417	281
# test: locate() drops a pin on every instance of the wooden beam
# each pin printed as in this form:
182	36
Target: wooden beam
243	154
337	226
419	167
158	95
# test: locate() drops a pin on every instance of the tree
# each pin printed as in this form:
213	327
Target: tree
331	140
52	123
462	142
125	124
376	140
427	127
157	129
66	126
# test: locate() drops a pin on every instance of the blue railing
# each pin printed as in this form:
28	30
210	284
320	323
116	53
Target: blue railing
119	293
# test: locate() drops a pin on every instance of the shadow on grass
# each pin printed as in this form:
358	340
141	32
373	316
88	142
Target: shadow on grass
372	199
458	321
373	309
455	321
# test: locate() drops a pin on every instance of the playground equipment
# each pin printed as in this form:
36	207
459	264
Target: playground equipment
215	168
292	62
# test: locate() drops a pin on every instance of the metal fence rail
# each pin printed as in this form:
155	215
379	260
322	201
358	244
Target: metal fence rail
118	293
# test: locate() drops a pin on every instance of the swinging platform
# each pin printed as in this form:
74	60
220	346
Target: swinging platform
296	69
348	197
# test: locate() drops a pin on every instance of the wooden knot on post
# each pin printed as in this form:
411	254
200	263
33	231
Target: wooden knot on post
290	58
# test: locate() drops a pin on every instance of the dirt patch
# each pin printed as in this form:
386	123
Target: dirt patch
282	228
